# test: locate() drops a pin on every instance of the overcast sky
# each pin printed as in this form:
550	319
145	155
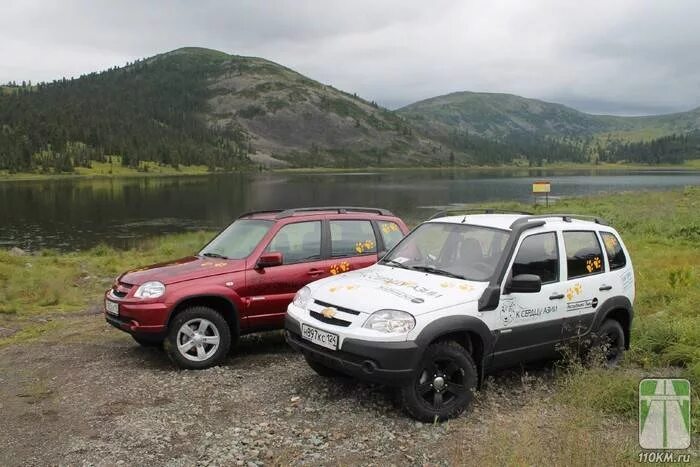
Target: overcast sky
620	57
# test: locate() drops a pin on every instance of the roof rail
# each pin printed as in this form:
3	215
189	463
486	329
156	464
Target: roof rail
338	209
564	217
264	211
445	212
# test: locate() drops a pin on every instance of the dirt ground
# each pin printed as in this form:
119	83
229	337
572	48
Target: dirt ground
89	395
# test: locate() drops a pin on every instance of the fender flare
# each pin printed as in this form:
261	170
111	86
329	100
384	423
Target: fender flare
453	324
619	302
224	294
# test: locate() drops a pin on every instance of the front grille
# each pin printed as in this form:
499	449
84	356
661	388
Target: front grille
121	289
333	321
339	308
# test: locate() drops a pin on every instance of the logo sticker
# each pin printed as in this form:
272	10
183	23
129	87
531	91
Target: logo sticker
664	413
328	312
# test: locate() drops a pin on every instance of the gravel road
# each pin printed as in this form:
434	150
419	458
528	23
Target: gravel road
88	395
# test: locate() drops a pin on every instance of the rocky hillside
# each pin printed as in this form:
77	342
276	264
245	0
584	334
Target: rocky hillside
200	106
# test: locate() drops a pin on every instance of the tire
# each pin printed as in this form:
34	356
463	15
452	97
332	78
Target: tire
321	369
198	338
444	363
608	343
145	340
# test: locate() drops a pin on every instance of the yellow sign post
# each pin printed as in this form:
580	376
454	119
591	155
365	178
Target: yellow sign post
542	187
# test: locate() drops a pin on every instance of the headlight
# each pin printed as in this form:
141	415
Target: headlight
151	289
302	298
390	321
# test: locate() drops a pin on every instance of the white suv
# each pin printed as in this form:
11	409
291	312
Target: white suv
463	295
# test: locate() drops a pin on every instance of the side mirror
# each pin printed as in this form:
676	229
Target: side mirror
268	260
524	283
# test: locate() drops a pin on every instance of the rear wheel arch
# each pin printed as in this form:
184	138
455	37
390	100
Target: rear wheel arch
619	309
623	317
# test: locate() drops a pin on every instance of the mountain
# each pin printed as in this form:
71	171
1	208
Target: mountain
499	116
200	106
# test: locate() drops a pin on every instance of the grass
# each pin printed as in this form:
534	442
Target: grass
111	169
49	285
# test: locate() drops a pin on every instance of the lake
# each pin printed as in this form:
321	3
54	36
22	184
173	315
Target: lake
73	213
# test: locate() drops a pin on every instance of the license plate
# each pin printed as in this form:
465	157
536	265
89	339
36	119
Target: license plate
322	338
112	308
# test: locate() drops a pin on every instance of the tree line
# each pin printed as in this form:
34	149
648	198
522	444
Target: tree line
146	111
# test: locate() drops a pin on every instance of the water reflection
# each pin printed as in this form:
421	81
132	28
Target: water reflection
79	213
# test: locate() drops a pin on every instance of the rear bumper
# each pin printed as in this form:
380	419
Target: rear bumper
139	318
388	363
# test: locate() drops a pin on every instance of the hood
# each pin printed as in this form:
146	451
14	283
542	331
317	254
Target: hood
382	287
184	269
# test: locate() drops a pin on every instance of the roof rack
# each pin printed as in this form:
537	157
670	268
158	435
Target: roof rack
338	209
445	212
564	217
264	211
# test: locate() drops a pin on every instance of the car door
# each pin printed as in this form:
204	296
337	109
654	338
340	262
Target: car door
528	325
585	286
353	244
270	289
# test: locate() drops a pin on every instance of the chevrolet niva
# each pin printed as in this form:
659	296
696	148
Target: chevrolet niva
243	280
463	295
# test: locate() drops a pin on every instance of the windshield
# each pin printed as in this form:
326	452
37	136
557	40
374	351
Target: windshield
238	240
456	250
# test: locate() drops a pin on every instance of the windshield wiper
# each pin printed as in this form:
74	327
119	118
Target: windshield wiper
214	255
393	262
441	272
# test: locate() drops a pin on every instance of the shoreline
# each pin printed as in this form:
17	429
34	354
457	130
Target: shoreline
198	171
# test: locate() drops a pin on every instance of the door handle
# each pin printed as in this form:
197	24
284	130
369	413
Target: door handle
556	296
315	272
603	288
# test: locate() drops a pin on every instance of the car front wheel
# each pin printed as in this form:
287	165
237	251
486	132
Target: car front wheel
199	337
444	384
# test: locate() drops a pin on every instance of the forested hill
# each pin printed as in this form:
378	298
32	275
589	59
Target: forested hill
498	116
199	106
538	130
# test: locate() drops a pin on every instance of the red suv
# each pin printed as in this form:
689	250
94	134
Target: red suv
243	280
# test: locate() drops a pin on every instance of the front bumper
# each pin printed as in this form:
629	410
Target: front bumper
139	317
389	363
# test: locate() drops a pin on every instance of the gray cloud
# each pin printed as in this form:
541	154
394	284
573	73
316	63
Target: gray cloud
624	57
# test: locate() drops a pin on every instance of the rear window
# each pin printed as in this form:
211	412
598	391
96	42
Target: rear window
583	254
391	233
352	238
616	257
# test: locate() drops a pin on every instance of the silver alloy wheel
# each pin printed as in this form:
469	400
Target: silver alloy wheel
198	339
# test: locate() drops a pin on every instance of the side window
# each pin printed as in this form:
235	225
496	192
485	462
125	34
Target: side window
616	257
352	238
391	233
538	255
583	253
298	242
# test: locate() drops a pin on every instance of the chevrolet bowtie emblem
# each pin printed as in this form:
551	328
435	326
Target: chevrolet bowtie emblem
328	312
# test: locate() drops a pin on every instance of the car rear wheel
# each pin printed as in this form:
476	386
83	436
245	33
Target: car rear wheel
609	343
199	337
145	340
321	369
444	384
